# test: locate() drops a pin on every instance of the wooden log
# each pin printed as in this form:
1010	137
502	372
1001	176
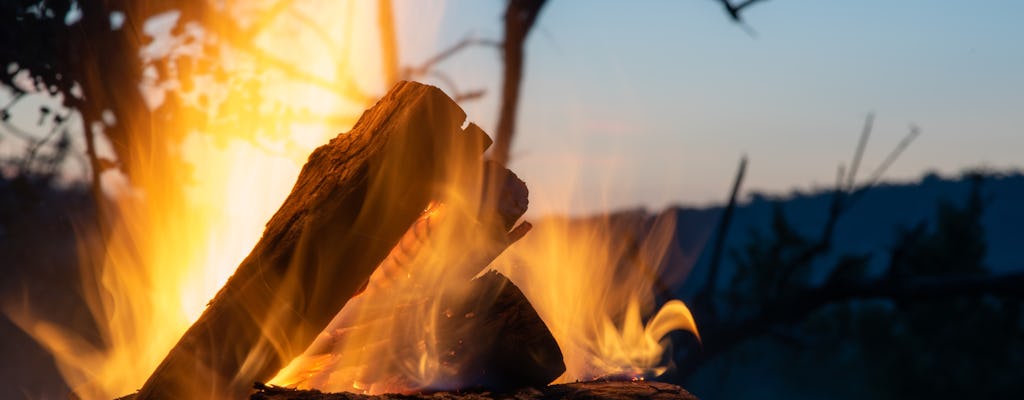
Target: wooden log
484	336
493	339
420	310
594	390
351	202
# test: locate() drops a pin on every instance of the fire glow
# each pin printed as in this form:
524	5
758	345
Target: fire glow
175	238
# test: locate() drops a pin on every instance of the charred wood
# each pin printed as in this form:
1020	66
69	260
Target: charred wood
515	348
594	390
470	333
484	335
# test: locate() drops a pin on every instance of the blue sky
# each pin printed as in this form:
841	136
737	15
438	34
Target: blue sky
652	103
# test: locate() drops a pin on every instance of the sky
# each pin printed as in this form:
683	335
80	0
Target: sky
648	104
653	103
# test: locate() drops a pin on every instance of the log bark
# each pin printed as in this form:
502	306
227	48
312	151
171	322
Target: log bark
352	201
462	332
595	390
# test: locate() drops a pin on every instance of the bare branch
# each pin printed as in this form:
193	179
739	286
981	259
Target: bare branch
319	31
466	42
241	39
803	301
859	153
470	95
5	116
723	232
798	306
915	131
877	174
843	199
33	148
268	18
734	10
824	242
456	94
520	16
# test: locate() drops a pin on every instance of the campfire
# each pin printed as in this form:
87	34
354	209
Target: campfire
274	200
399	263
397	260
386	270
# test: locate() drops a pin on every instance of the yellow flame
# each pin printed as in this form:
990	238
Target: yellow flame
591	280
392	337
278	83
281	83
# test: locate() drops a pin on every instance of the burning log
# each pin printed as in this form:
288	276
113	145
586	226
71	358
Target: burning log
514	347
595	390
481	333
350	205
487	336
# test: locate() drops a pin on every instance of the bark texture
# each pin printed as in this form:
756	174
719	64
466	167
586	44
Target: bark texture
423	307
352	201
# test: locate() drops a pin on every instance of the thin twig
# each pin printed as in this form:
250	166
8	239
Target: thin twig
734	10
242	40
723	232
318	31
16	131
859	153
520	16
877	174
915	131
466	42
469	95
799	305
267	18
456	94
803	301
7	125
33	148
844	199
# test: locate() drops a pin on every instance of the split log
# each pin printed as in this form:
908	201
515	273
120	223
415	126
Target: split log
494	339
595	390
421	308
352	201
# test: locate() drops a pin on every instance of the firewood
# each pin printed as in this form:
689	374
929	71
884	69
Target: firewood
594	390
494	339
486	336
352	201
483	332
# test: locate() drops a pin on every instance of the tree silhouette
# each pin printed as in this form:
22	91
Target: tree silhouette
936	323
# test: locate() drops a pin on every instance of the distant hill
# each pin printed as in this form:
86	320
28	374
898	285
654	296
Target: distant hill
868	227
810	364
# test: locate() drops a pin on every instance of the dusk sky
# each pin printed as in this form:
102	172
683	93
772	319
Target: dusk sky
653	103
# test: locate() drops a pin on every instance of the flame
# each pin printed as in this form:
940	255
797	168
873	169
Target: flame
178	231
257	88
397	335
591	280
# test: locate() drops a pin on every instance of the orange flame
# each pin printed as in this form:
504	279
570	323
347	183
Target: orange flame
253	120
258	88
591	280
